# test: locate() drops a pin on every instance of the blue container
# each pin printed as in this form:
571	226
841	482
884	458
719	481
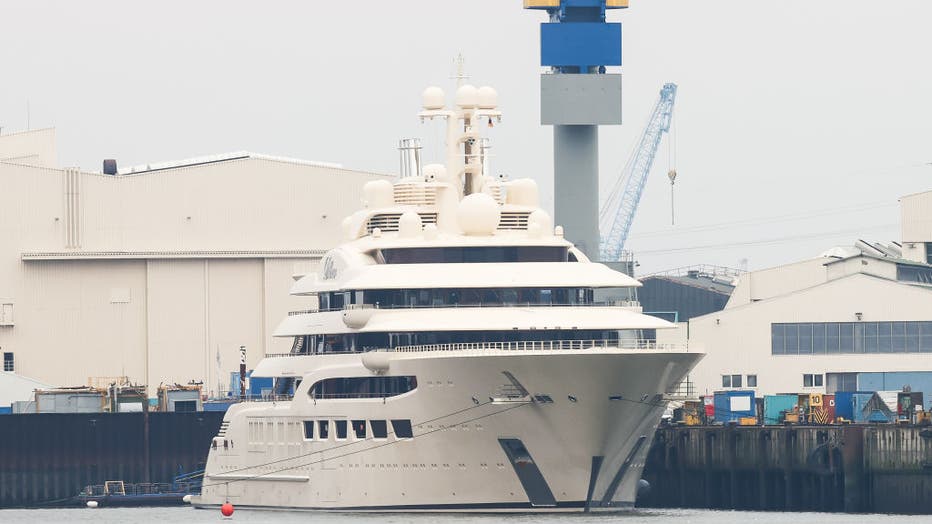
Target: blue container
6	410
732	405
776	405
844	403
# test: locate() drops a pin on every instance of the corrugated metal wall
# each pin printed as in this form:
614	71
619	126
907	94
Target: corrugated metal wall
45	458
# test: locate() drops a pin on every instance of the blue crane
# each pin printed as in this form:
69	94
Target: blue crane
618	211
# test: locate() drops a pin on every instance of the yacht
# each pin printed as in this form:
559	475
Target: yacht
462	356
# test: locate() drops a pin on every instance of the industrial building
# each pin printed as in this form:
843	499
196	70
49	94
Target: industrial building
157	273
857	318
678	295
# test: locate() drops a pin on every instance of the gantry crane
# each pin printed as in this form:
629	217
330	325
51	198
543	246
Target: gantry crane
618	211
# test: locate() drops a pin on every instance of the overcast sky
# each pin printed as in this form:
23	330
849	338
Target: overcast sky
798	124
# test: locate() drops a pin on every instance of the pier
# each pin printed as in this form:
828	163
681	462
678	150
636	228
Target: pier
844	468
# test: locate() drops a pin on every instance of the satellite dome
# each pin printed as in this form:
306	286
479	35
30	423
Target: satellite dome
409	225
378	193
434	172
488	98
478	214
523	192
467	96
432	98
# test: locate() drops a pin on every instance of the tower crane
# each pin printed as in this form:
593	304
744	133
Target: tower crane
618	211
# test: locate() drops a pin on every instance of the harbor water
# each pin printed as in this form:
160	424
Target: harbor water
189	515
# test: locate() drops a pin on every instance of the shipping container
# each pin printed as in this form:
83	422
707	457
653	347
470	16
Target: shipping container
776	405
825	412
869	407
730	406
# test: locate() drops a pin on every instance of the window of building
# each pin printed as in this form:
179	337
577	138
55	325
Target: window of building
928	252
341	429
359	428
185	406
752	381
8	364
835	382
402	429
379	428
6	313
323	429
731	381
309	429
812	380
910	273
851	337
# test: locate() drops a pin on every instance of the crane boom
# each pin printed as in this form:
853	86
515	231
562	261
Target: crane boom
618	211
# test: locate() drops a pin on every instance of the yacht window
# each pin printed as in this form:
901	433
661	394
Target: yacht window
402	429
309	429
363	387
341	429
434	255
379	428
359	428
323	429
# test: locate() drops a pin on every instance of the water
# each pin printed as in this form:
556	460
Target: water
189	515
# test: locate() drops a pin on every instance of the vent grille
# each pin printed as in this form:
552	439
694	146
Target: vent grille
514	220
389	221
415	195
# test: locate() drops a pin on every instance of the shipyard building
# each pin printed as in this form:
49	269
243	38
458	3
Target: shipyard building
158	273
857	318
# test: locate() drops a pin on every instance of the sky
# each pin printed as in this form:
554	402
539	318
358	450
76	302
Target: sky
797	125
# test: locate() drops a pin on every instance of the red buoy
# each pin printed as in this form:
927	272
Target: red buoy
226	509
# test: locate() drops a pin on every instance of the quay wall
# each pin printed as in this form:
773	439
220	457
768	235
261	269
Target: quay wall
47	458
884	469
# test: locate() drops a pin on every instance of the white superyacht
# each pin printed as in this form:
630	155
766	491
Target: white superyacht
461	358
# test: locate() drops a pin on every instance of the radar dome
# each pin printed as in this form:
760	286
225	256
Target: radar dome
430	231
409	225
378	193
478	214
488	98
434	172
467	96
523	192
433	98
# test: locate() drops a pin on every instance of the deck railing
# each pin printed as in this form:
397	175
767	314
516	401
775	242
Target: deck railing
611	303
522	345
536	345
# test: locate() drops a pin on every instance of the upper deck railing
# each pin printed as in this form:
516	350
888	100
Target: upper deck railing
534	345
613	303
522	345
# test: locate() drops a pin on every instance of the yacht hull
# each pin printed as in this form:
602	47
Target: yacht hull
575	442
